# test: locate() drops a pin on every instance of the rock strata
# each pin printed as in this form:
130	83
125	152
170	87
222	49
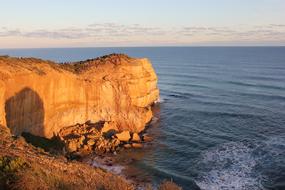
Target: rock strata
42	97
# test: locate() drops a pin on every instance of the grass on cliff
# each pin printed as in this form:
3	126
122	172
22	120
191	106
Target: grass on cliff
16	173
24	167
9	167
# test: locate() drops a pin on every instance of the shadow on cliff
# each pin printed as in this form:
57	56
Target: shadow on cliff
25	113
25	116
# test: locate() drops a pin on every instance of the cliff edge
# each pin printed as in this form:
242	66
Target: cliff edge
41	97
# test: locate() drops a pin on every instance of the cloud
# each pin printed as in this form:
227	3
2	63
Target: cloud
192	31
4	32
136	33
91	31
269	32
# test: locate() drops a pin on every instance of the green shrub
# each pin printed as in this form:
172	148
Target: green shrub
9	164
8	168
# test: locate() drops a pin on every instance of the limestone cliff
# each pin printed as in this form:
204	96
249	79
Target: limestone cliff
42	97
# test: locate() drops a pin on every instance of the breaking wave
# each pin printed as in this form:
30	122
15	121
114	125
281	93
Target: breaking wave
242	165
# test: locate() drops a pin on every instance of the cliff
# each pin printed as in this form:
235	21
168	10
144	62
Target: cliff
41	97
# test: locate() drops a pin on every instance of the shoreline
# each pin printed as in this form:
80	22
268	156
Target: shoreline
66	111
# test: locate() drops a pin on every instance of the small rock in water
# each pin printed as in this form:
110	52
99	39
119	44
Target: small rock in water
147	138
127	145
137	145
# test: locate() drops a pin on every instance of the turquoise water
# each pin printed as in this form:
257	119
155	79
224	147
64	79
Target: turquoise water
221	121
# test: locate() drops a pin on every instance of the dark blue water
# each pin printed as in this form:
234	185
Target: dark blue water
222	116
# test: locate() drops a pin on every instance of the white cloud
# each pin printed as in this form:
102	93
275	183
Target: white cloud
139	34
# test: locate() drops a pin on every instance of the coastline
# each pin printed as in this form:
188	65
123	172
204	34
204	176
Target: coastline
122	113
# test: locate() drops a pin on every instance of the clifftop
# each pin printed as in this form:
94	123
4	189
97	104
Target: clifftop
39	66
80	66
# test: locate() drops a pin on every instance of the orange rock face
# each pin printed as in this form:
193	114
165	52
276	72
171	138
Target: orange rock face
41	97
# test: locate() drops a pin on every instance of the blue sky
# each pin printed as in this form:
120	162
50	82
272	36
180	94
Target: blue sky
86	23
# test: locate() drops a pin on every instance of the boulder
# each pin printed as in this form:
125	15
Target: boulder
136	137
86	147
124	136
115	142
147	138
91	142
137	145
71	146
81	140
109	126
92	136
127	145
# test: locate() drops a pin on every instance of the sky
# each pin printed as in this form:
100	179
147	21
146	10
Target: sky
113	23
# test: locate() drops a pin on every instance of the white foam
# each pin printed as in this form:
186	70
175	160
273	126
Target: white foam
230	166
100	163
159	100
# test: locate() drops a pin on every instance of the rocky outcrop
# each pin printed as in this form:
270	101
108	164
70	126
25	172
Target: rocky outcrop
82	139
42	97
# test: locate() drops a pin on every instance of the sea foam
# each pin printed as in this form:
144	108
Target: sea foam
235	166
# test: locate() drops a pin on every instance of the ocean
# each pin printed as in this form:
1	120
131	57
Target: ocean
221	119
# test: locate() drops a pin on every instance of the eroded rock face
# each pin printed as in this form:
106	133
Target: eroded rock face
42	97
2	103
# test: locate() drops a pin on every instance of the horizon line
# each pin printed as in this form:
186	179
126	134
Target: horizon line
156	46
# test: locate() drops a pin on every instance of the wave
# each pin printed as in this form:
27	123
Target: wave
184	85
159	100
107	165
182	75
182	95
229	114
264	78
256	85
260	96
233	105
241	165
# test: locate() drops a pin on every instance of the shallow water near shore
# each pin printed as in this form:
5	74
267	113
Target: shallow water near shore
221	119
